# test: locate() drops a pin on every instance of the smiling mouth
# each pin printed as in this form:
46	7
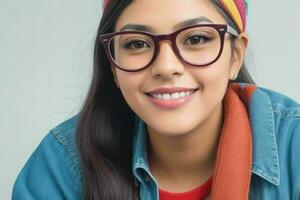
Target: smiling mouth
171	96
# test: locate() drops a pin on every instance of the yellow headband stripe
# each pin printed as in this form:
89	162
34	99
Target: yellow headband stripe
235	14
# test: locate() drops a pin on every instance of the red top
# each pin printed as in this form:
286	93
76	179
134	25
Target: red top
198	193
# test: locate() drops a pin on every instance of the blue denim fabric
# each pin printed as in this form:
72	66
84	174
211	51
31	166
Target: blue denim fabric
53	171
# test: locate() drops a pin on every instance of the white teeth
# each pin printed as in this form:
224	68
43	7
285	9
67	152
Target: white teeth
174	95
182	94
166	96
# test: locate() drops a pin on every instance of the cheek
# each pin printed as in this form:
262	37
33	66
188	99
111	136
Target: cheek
213	80
216	75
131	87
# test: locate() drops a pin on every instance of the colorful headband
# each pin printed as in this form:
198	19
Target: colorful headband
237	10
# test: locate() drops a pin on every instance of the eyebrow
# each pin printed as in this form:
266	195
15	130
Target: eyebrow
189	22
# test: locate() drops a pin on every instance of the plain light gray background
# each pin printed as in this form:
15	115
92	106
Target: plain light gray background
46	59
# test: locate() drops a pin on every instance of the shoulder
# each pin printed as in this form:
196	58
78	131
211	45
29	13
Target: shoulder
281	103
65	134
282	111
53	170
275	105
285	111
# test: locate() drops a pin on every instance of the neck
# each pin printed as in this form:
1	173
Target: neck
188	159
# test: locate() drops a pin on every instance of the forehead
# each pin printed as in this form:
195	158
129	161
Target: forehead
163	16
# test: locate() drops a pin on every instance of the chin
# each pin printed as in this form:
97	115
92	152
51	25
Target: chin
172	129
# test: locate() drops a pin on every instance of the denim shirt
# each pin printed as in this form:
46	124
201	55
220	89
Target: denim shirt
53	171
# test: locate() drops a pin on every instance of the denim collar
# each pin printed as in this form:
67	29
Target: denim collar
140	165
265	154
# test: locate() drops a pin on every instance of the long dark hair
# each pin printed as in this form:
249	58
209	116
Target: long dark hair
106	125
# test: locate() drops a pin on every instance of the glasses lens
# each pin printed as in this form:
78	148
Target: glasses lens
131	51
199	45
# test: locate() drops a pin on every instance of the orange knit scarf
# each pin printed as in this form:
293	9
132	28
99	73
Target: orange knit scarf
232	174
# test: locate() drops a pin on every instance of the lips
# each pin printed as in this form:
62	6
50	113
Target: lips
166	90
169	98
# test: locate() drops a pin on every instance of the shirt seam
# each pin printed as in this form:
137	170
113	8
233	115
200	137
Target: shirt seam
297	192
66	144
288	112
263	174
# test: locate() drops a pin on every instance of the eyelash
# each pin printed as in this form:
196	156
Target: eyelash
127	45
203	38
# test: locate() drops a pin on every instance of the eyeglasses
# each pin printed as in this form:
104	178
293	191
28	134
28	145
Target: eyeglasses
198	45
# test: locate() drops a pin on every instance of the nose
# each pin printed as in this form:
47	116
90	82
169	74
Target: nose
166	65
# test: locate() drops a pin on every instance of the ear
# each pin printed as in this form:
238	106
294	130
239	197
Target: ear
113	70
239	50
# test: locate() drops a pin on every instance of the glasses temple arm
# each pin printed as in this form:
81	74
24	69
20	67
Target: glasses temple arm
232	31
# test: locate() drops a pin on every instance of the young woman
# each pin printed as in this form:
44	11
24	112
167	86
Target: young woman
171	113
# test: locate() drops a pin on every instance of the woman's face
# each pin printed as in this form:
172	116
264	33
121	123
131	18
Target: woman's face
168	71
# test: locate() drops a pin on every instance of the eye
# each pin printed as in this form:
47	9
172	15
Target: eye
196	40
136	44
